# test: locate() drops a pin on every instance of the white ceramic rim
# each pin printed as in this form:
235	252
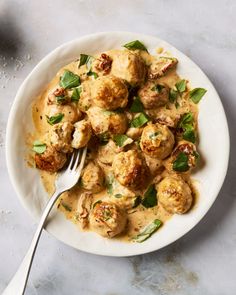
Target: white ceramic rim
149	247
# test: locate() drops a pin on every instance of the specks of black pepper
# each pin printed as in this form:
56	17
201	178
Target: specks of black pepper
69	112
41	117
37	110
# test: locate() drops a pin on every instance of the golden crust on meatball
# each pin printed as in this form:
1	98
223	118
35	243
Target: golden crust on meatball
157	141
107	219
70	112
51	160
92	178
174	194
154	95
107	122
109	92
130	169
82	134
129	66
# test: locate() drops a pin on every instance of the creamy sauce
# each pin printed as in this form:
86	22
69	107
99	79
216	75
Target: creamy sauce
137	217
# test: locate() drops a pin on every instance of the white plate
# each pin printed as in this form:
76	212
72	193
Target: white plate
214	147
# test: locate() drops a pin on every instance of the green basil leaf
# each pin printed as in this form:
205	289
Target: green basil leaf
39	147
181	86
76	94
150	197
187	118
67	207
137	106
158	88
103	138
173	94
177	105
196	94
147	231
181	163
90	73
118	196
109	184
154	135
133	45
55	119
189	135
85	59
61	99
97	202
120	139
69	80
139	121
137	201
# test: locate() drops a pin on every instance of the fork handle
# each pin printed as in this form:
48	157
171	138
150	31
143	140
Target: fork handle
18	283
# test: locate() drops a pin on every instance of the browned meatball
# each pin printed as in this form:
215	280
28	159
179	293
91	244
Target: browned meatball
160	66
157	141
109	92
154	95
174	194
129	66
51	160
107	219
130	169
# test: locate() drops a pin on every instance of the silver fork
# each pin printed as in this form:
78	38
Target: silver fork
66	180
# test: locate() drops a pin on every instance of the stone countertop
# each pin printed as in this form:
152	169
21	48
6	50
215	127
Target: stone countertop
203	261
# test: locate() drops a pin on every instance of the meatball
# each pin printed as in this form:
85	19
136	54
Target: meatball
174	194
107	219
106	153
60	137
186	150
85	100
51	160
157	141
107	122
109	92
160	66
134	133
70	112
92	178
154	95
82	134
130	169
129	66
155	165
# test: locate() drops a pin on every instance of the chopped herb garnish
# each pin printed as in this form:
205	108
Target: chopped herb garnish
137	201
154	135
55	119
66	207
109	184
186	123
158	88
90	73
181	163
85	59
135	45
39	147
97	202
137	106
120	139
177	105
118	196
69	80
150	197
147	231
104	138
61	99
139	121
196	94
181	86
173	95
76	94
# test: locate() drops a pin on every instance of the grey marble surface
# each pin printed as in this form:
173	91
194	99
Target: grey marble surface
202	262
